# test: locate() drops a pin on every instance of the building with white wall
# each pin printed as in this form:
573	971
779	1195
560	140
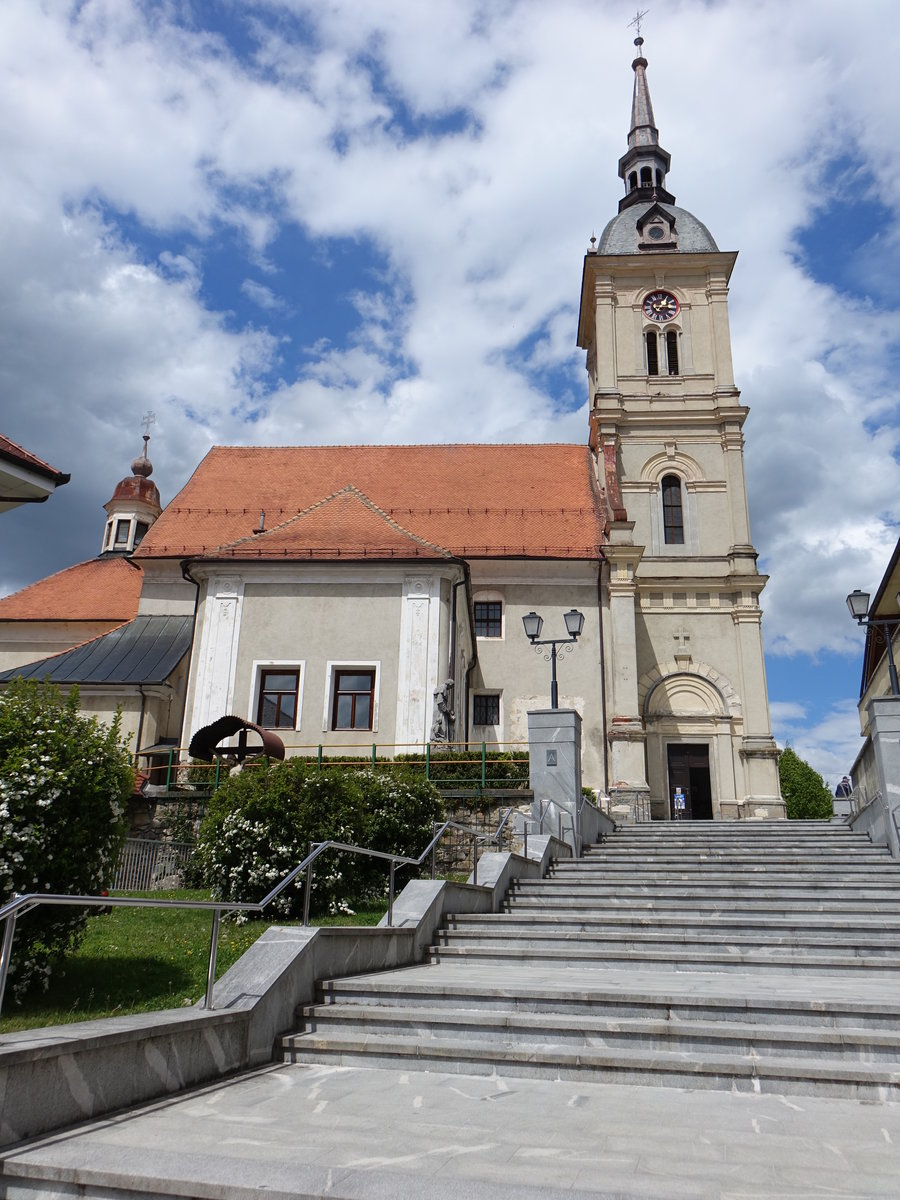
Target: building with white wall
360	595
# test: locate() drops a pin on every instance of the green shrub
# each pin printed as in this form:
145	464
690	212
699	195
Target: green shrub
65	780
260	822
805	795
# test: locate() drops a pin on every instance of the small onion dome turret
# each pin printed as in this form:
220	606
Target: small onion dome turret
134	506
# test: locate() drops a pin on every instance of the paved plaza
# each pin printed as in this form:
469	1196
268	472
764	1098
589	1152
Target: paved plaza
361	1134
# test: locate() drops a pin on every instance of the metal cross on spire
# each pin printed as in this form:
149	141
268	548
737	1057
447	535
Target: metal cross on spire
636	23
149	419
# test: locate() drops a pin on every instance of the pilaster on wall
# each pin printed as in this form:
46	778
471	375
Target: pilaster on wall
216	657
625	735
623	557
733	452
417	666
717	294
605	334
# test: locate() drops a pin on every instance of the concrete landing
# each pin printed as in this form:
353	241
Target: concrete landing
367	1134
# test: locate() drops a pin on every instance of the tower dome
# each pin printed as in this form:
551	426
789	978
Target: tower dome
134	506
648	218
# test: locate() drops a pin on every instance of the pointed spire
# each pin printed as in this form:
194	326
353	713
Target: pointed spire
645	164
643	131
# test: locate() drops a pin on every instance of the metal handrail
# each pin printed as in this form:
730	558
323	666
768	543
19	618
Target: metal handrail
19	905
561	815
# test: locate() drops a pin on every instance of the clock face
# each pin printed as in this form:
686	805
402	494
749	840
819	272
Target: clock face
660	306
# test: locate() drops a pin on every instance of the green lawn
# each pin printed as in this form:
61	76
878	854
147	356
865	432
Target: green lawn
140	960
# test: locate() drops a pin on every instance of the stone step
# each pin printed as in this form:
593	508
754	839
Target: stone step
729	828
595	1030
641	997
697	905
852	945
677	958
762	958
671	1069
865	924
674	841
717	873
785	889
649	858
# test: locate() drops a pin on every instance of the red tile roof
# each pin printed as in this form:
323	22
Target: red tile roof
471	501
102	589
13	452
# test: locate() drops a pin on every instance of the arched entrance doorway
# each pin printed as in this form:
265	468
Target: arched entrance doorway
688	769
690	721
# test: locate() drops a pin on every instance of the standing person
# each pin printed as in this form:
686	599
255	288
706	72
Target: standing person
844	788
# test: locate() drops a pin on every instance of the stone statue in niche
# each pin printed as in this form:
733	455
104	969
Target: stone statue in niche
444	713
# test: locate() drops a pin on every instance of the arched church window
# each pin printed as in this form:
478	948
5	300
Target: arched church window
672	350
673	514
659	179
652	352
632	181
646	177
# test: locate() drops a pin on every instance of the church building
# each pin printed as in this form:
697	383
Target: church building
351	596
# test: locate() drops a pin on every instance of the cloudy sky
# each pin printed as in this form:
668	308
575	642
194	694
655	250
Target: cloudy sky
279	221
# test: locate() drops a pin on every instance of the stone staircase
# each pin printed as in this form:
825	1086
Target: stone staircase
759	956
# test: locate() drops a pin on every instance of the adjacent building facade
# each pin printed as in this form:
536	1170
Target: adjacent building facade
360	595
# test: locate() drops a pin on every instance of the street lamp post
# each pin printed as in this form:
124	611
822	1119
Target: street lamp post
534	624
858	603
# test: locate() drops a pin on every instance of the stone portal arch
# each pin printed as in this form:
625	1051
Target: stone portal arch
690	689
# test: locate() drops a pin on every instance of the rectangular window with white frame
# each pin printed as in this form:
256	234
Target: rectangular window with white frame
351	697
276	699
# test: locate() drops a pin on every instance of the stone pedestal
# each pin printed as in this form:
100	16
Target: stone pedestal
884	728
554	746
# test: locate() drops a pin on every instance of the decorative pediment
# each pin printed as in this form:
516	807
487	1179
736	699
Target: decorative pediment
656	229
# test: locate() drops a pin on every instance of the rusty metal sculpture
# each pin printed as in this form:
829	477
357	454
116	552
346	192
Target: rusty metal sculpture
205	742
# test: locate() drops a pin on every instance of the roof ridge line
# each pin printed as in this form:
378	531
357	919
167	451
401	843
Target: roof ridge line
347	489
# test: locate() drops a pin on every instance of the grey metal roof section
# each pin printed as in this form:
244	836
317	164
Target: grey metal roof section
621	235
146	650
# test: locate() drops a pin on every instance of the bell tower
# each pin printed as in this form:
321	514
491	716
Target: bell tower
684	660
134	505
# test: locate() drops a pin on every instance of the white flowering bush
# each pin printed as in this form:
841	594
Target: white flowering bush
259	824
64	784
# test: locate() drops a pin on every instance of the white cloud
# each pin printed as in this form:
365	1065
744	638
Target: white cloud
475	146
262	295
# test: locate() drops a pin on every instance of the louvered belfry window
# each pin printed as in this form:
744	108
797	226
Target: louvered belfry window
652	353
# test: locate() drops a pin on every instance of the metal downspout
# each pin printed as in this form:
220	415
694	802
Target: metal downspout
188	578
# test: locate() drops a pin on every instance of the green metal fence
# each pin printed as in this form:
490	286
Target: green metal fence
452	766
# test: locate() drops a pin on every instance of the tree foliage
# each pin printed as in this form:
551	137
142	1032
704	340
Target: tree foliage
64	784
259	824
805	793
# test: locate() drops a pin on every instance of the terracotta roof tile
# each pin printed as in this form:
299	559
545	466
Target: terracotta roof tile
101	589
13	452
474	501
347	525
